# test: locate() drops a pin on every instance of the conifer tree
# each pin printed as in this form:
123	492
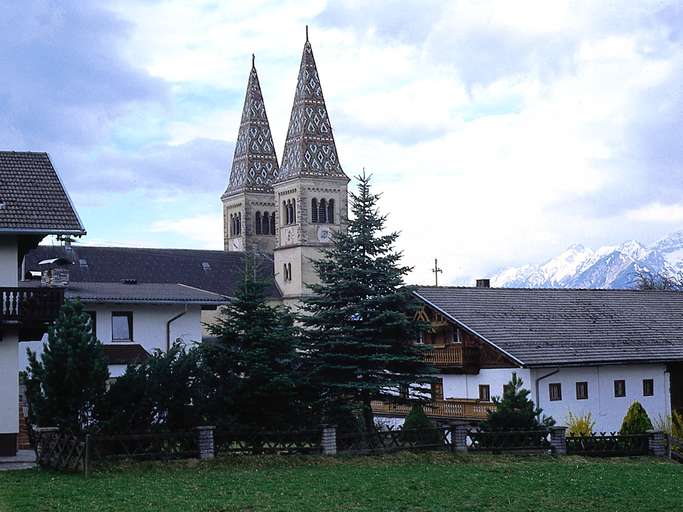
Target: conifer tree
66	385
360	323
515	410
254	360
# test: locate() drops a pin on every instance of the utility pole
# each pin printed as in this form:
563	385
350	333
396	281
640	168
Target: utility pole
436	271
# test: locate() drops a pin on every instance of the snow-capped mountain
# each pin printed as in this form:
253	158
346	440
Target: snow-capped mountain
606	267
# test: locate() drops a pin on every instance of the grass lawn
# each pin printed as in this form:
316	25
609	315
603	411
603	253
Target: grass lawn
416	482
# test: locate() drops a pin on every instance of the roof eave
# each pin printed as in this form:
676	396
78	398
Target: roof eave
45	231
469	329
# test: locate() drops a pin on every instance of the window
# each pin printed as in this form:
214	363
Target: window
257	223
272	223
122	326
314	211
322	212
285	213
582	390
648	387
293	211
330	211
484	392
93	322
239	223
619	388
289	270
265	224
555	391
506	388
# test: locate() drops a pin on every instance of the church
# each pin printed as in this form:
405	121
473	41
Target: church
288	211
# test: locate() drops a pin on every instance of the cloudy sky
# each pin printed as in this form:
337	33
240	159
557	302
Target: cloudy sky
499	132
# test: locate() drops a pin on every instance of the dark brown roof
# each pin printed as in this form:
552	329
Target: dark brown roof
214	271
546	327
32	197
125	353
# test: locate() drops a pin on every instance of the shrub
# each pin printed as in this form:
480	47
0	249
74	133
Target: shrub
636	420
581	425
515	411
671	425
419	430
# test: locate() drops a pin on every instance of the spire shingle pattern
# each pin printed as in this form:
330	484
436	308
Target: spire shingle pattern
309	149
254	164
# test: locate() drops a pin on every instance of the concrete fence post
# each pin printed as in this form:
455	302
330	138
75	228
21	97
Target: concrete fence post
44	442
459	433
329	440
658	443
558	440
206	445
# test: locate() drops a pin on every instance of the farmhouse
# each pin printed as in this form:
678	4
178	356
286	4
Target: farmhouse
577	351
33	204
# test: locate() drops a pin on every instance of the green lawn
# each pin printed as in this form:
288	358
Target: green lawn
420	482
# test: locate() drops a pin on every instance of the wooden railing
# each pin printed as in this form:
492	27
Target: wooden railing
453	356
30	305
442	409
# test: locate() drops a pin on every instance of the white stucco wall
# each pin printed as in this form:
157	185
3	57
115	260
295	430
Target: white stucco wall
607	410
467	386
149	327
9	378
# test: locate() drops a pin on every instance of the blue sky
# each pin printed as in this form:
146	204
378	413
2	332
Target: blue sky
499	132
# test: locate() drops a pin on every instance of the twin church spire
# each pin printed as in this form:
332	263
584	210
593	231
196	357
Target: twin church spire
309	148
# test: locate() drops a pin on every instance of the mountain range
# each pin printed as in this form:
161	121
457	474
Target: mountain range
607	267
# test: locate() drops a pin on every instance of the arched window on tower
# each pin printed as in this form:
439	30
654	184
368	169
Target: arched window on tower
265	224
314	210
272	223
285	217
322	212
293	211
330	211
239	223
284	272
231	226
289	271
257	223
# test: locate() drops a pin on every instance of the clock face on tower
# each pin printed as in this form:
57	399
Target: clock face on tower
236	244
324	234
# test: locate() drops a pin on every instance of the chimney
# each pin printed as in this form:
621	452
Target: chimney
483	283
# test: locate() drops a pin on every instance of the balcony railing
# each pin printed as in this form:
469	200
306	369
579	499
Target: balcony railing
453	356
441	409
30	305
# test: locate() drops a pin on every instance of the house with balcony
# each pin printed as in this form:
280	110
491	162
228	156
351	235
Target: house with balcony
33	204
578	351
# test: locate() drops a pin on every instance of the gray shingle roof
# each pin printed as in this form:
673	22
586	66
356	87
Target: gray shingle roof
32	197
214	271
544	327
148	293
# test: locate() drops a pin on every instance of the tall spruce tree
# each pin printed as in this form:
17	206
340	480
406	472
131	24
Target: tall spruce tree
255	354
361	330
66	386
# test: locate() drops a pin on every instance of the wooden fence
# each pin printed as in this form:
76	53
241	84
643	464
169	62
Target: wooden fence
257	442
509	441
396	439
60	451
609	444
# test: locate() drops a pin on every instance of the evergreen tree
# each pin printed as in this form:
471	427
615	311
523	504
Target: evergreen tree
254	359
360	323
65	387
515	411
636	420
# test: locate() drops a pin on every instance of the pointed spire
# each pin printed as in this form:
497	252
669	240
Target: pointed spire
254	164
309	149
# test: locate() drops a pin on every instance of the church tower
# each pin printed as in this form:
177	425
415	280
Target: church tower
311	187
249	218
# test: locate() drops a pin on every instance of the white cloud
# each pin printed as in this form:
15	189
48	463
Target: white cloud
657	212
204	231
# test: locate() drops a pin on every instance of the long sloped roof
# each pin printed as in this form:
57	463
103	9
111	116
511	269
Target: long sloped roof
310	149
32	197
254	164
544	327
213	271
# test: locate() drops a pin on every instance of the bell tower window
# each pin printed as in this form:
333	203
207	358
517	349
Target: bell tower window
272	223
314	211
257	223
322	212
330	211
265	224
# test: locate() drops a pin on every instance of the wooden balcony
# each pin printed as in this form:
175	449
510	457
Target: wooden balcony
454	356
461	409
31	308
